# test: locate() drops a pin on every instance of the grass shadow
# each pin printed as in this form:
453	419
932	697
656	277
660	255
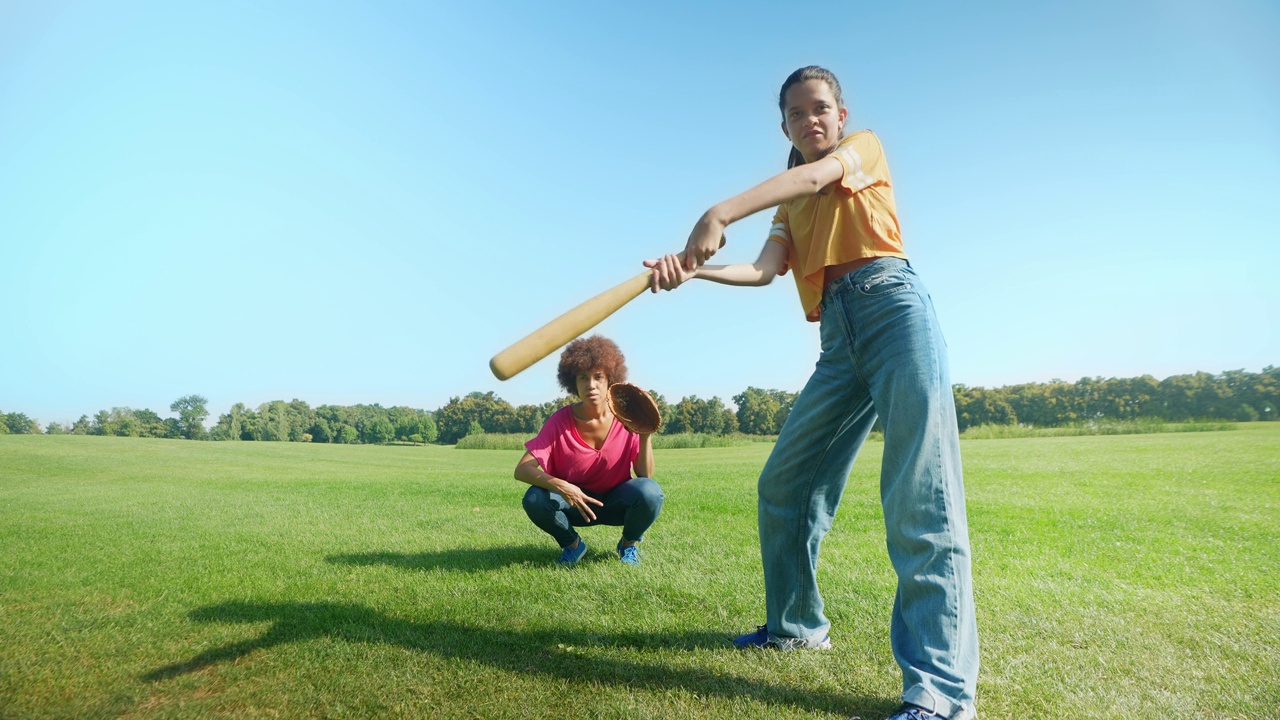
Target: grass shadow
549	653
456	560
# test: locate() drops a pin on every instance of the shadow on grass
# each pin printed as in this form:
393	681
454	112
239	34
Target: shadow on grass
551	653
457	560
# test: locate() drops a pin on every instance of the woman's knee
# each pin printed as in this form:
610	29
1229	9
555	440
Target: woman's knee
536	500
649	492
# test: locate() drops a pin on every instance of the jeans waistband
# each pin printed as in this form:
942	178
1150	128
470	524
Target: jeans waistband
871	269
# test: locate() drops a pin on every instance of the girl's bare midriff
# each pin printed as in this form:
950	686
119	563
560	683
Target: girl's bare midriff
835	272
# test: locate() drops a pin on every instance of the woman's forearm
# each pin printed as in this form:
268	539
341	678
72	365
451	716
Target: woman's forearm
529	471
644	465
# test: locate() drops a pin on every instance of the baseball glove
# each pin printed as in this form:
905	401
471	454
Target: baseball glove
635	408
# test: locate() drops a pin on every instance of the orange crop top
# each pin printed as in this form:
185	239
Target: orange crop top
848	220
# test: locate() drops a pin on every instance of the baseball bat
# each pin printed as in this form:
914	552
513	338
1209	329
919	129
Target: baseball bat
546	339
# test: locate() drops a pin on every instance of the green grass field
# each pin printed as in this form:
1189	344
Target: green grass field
1117	577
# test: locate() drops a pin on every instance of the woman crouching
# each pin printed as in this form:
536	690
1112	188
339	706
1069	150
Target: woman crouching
585	467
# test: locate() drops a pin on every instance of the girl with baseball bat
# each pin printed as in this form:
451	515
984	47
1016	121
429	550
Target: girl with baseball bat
836	229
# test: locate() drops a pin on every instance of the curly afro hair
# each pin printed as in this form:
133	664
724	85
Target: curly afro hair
587	354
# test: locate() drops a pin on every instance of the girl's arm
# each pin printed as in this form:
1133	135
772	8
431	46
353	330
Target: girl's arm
643	466
669	272
799	181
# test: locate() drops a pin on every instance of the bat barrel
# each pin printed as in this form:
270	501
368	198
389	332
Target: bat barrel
557	333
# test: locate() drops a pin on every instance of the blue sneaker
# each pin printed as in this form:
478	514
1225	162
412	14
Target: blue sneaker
760	639
571	555
907	711
629	554
757	639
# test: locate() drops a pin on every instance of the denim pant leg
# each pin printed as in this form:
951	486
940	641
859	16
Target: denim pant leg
801	485
634	505
902	355
550	512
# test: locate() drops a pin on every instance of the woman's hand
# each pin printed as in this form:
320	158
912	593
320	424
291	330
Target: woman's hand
707	237
581	501
668	273
528	470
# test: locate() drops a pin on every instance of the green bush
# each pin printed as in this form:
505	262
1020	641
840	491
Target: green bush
989	431
1103	426
684	441
493	441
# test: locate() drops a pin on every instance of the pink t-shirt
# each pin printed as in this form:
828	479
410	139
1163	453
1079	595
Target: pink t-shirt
562	452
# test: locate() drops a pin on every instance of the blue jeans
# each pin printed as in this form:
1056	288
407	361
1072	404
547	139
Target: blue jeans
634	505
882	353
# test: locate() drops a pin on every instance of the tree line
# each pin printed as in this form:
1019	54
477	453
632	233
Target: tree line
1233	395
760	412
277	420
122	421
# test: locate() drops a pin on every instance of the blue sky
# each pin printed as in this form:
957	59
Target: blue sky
363	202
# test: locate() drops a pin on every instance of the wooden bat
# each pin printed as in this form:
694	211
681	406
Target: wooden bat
548	338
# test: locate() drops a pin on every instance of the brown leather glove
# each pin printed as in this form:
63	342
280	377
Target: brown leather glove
635	408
